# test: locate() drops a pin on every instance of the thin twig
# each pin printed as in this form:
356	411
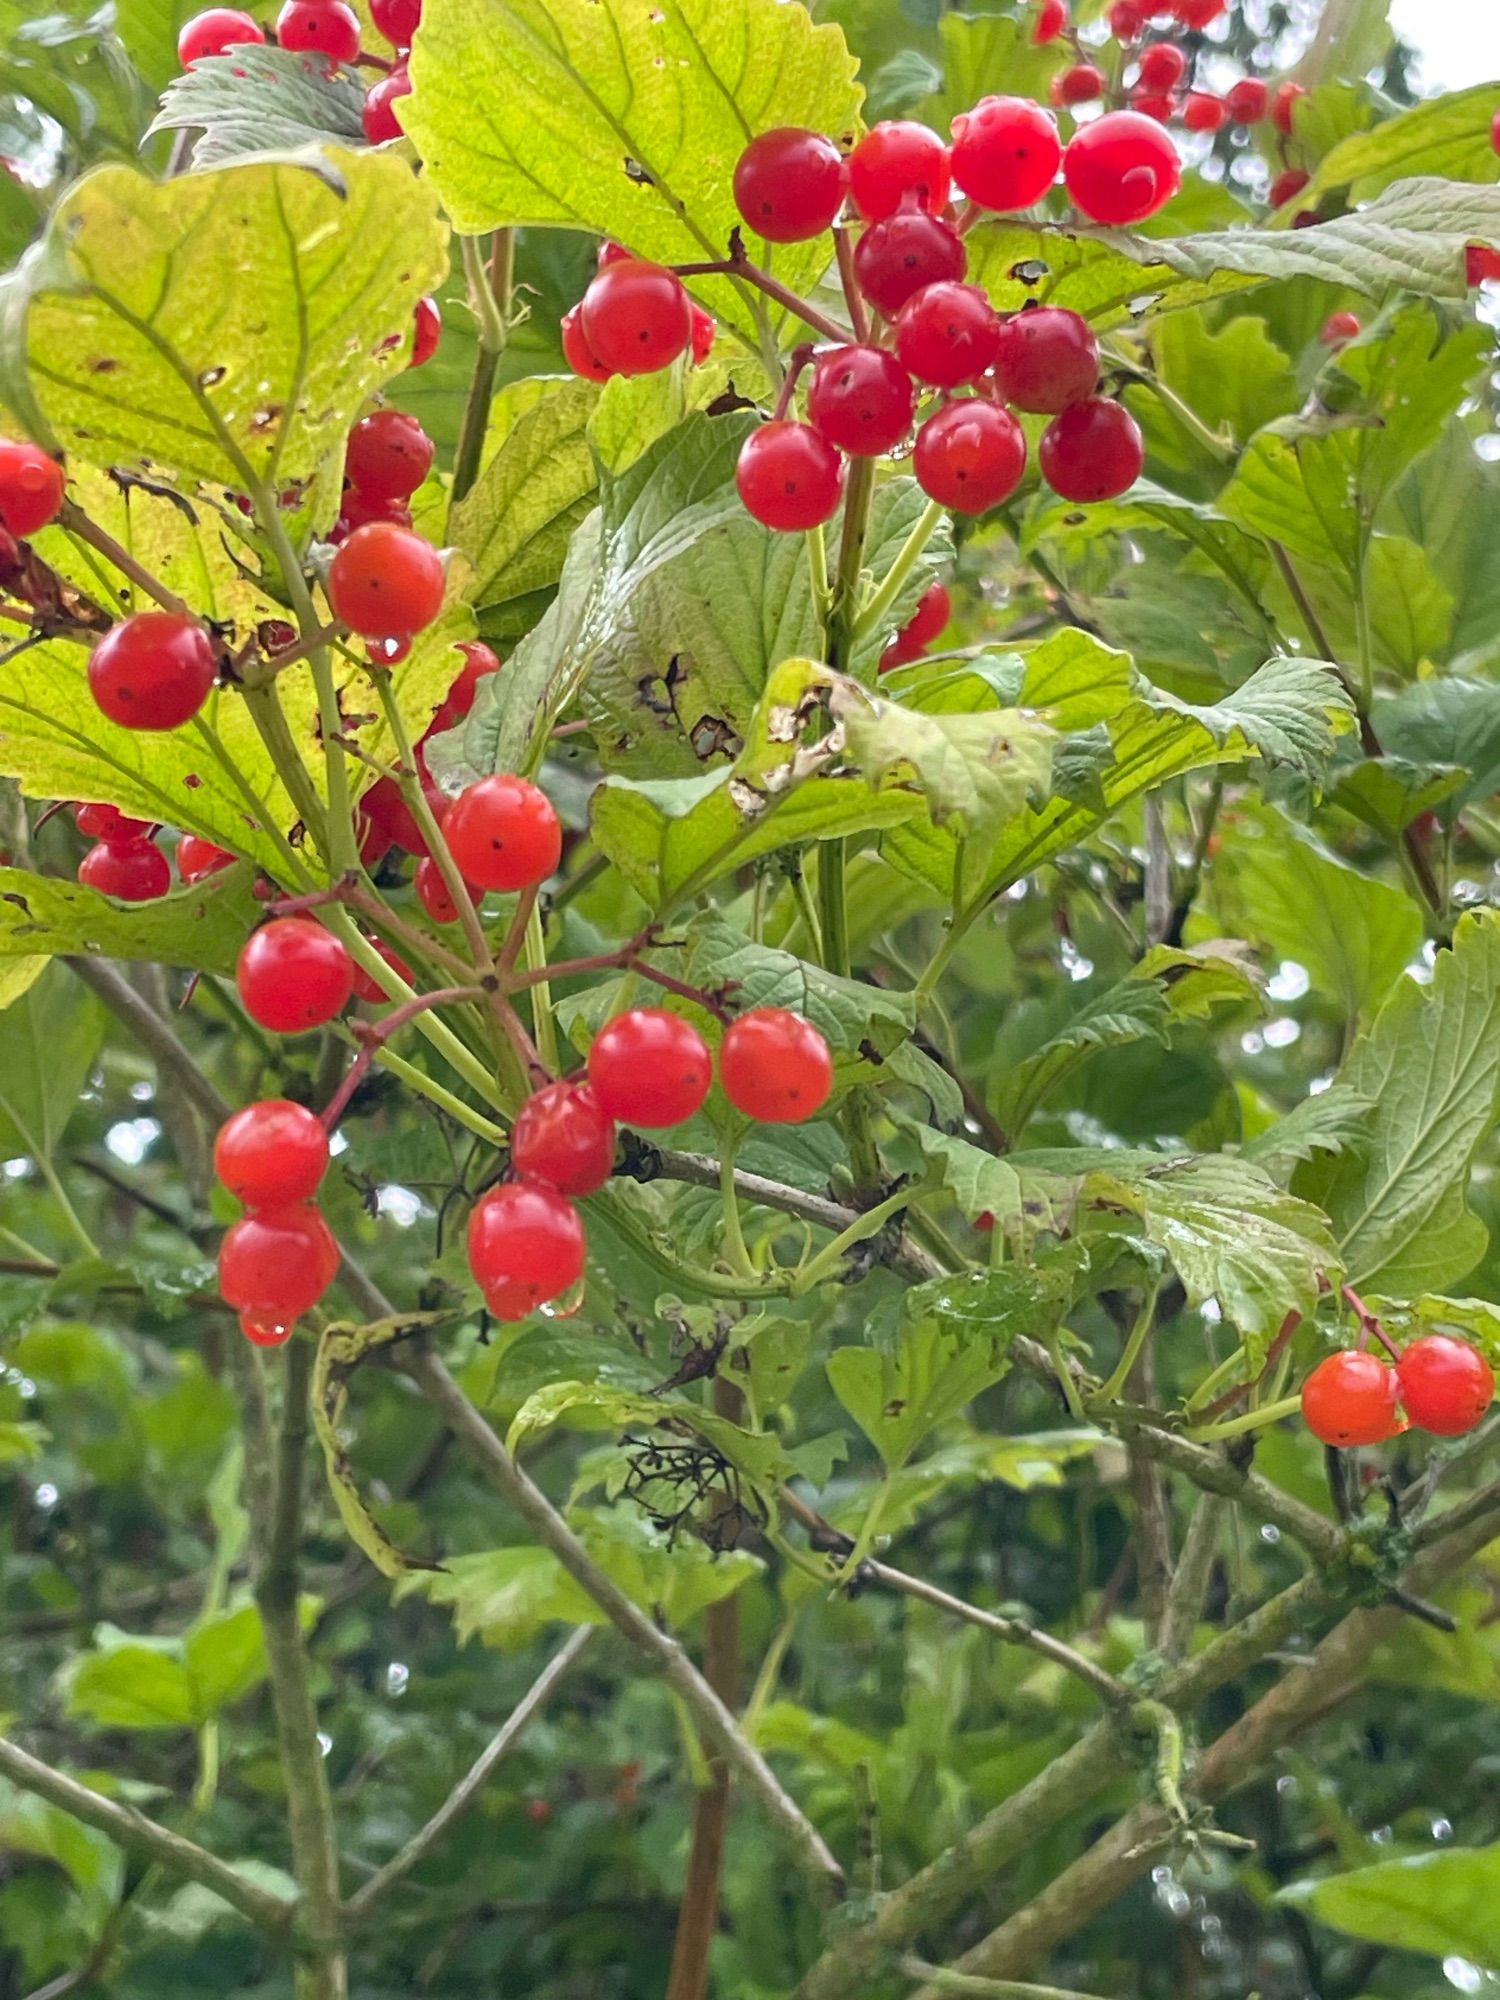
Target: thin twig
73	521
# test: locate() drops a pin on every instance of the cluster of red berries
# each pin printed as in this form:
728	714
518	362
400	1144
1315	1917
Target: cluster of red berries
126	862
328	29
646	1068
934	609
635	318
1444	1386
277	1261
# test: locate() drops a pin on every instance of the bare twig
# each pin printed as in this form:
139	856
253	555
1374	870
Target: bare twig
1189	1582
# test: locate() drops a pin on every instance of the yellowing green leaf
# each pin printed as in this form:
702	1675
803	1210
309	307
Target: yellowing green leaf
202	927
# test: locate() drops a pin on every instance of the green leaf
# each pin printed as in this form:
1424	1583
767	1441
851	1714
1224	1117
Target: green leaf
1476	1320
506	1596
1453	723
979	1182
601	1407
1276	884
1431	1065
846	1011
1446	138
1096	276
1234	377
226	322
1444	1902
21	1443
52	1035
225	1657
265	100
202	927
1326	1123
984	54
130	1684
621	117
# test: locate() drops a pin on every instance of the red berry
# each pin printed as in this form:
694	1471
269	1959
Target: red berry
947	334
563	1138
906	252
1204	112
1122	168
775	1066
526	1244
265	1333
1093	451
426	332
1005	152
367	987
385	582
397	20
319	27
1247	100
432	892
1446	1385
579	356
1284	103
108	823
705	327
636	317
293	975
380	118
1198	13
789	476
479	662
277	1263
389	455
1481	264
861	399
31	487
153	670
503	833
386	810
1048	359
649	1067
1079	85
894	159
1051	19
1286	187
358	510
789	184
611	252
970	456
212	32
1338	328
1127	20
1163	66
1155	104
1350	1399
197	859
934	609
271	1153
132	871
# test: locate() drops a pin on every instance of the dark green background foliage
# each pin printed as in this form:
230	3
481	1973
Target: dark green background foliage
1197	1000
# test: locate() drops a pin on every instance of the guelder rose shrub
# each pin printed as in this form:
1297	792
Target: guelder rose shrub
751	1003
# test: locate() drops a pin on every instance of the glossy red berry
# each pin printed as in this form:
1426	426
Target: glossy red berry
426	332
389	455
277	1263
1203	112
266	1332
293	975
384	808
1093	451
380	117
1446	1385
861	399
1339	328
789	476
367	987
970	456
636	317
132	871
893	160
480	661
611	252
1156	105
934	609
198	859
904	253
526	1245
153	670
503	833
775	1066
1246	101
1350	1399
1286	187
108	823
31	487
1127	20
705	328
1048	358
358	510
1005	152
1198	13
1081	84
789	184
1121	169
1481	264
397	20
1051	19
649	1068
562	1137
271	1153
1163	66
386	582
947	334
579	356
214	31
319	27
433	895
1284	103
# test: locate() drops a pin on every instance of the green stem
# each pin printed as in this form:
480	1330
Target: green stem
908	555
534	958
734	1236
826	1264
817	569
71	1216
1252	1420
419	1081
261	811
490	291
269	717
971	1987
1114	1388
844	595
864	1541
1187	417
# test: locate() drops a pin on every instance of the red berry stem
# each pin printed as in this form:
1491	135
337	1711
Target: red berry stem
798	360
351	894
738	265
74	521
854	298
1369	1324
373	1036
